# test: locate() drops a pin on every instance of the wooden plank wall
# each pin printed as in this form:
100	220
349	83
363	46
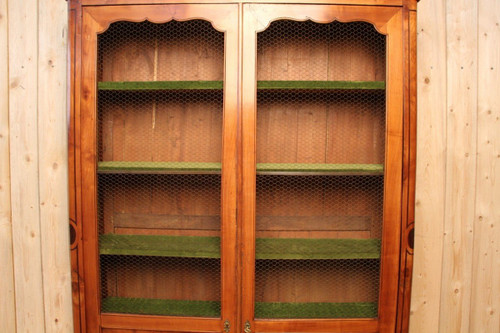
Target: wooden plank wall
457	248
34	241
457	255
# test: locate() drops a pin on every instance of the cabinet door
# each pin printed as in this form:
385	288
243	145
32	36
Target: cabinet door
322	158
158	124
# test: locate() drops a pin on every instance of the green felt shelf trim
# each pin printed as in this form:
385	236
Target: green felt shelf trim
163	246
322	85
315	310
307	167
302	248
266	248
125	166
217	85
158	166
161	307
262	310
160	85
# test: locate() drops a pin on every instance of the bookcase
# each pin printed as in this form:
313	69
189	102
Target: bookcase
242	166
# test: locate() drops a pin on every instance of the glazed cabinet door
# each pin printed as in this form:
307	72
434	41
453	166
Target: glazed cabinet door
322	124
158	159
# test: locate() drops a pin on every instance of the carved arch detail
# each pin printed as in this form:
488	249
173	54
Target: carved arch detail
218	16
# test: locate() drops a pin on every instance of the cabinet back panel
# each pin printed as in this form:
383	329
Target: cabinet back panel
299	281
149	126
161	278
173	51
311	127
343	206
160	202
289	50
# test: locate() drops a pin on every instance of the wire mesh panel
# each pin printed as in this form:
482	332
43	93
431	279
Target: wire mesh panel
321	116
160	109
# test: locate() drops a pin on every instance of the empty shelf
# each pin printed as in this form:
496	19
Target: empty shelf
319	168
158	167
321	85
159	85
305	248
165	307
275	310
156	245
266	248
262	168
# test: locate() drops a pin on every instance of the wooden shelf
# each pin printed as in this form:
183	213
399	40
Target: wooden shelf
266	248
159	85
319	169
277	310
321	85
263	310
160	246
306	248
261	85
164	307
262	168
159	167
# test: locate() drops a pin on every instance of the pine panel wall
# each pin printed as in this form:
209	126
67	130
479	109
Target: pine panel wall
457	249
35	294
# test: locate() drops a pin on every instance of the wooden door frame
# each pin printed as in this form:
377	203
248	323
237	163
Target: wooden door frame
388	21
95	20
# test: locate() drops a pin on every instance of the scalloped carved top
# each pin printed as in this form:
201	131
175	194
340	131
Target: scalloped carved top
218	16
323	14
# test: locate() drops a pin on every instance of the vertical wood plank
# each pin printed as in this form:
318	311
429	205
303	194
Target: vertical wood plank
7	302
52	165
23	56
485	294
461	110
431	166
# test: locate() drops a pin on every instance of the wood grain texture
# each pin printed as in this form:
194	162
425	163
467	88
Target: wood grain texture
485	293
52	173
317	325
7	301
341	2
150	323
431	167
461	128
23	80
457	168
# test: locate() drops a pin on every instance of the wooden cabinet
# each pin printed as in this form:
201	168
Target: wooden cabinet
242	166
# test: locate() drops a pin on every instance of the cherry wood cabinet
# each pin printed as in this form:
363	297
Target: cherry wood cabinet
242	166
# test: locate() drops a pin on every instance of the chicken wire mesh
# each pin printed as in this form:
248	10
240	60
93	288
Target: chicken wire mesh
320	157
159	128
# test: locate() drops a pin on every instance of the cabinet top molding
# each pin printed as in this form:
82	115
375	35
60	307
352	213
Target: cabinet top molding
411	4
